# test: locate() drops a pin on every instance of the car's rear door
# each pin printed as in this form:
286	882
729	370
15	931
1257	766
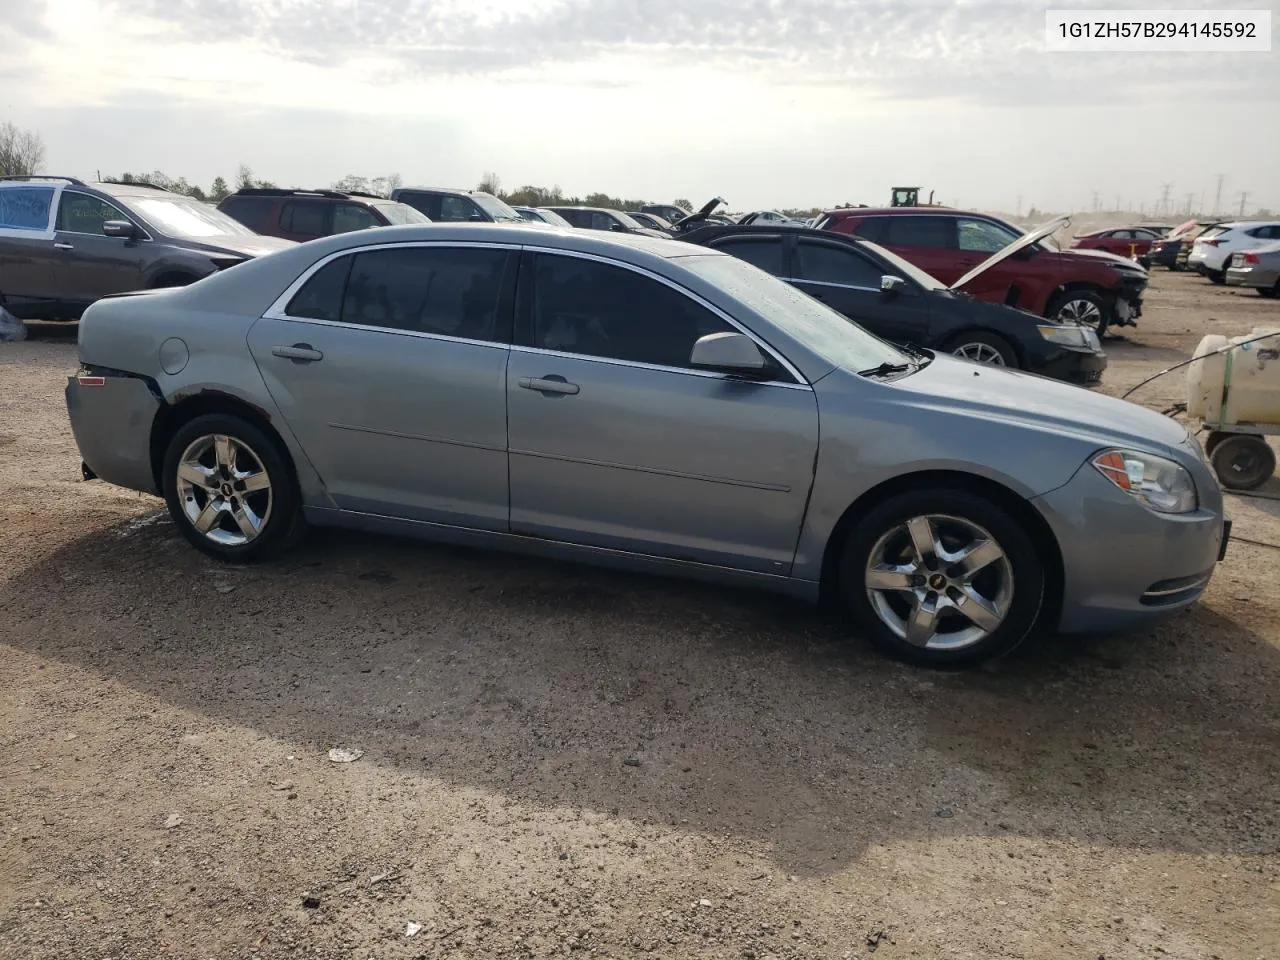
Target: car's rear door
617	443
389	366
849	282
928	241
306	218
27	254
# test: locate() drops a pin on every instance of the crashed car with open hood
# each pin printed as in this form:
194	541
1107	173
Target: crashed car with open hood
895	300
997	262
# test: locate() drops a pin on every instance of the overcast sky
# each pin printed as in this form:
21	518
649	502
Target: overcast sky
769	103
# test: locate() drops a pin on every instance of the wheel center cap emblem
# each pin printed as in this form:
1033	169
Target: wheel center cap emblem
937	581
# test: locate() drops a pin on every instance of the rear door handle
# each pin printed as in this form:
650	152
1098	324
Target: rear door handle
63	246
298	353
549	384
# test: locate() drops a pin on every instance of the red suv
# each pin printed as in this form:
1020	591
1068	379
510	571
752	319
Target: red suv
1085	286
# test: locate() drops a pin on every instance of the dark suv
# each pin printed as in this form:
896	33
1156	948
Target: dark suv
303	215
1079	286
444	205
65	243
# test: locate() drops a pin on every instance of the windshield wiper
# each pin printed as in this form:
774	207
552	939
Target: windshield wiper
885	370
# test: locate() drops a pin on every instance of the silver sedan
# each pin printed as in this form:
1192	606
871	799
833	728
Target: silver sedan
646	404
1259	268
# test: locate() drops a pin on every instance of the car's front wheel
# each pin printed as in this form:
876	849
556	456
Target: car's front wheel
982	347
940	577
1083	307
229	489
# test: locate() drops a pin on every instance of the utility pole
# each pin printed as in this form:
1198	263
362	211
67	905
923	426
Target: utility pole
1244	195
1217	203
1117	203
1019	206
1164	197
1095	201
1190	200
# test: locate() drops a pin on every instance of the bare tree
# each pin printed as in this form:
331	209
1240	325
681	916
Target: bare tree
490	182
21	151
244	177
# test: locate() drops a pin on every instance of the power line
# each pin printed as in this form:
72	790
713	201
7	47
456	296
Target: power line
1244	195
1164	197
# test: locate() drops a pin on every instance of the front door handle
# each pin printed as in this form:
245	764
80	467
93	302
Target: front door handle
59	245
549	384
298	353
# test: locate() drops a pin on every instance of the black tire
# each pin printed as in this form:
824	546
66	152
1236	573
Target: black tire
1065	308
1243	461
1218	277
885	525
278	508
975	340
1270	293
1215	437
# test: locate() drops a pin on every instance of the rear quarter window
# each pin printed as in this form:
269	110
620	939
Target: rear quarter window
253	212
929	231
874	229
25	208
762	252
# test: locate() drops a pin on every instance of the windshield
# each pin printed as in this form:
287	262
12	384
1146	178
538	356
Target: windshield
401	213
495	207
189	218
827	333
551	217
905	267
628	221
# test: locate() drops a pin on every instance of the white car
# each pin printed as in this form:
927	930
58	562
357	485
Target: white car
1212	250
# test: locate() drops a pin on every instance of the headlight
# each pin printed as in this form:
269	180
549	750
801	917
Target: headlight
1159	483
1070	335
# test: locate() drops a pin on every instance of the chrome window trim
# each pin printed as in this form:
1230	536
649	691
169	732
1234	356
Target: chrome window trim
688	371
277	309
702	302
278	306
838	286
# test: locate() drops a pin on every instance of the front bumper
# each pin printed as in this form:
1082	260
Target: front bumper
111	418
1165	255
1123	564
1072	366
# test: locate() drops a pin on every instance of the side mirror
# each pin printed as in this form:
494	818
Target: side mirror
891	286
730	353
617	228
119	228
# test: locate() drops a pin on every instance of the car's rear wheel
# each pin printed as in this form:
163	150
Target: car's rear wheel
1084	307
229	488
940	577
1271	292
982	347
1218	276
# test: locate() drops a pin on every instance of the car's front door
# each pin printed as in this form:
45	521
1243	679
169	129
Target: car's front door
389	366
92	265
849	282
616	442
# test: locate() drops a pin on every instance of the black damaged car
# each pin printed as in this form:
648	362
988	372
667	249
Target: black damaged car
899	302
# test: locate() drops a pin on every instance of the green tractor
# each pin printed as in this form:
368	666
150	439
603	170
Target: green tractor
908	197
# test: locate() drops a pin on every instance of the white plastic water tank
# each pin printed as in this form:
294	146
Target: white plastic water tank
1251	374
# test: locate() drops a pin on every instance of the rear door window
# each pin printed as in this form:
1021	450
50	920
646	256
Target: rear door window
931	231
762	252
25	208
253	212
306	218
453	292
831	263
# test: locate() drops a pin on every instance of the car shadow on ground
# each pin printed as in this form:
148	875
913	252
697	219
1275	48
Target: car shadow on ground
51	331
716	710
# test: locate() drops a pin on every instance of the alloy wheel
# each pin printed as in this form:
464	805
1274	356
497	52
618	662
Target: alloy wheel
1080	311
224	490
939	582
980	353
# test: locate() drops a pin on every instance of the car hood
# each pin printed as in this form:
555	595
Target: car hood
650	232
254	246
990	393
1113	258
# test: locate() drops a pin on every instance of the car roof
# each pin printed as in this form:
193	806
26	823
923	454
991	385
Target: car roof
890	211
456	191
712	231
571	206
133	190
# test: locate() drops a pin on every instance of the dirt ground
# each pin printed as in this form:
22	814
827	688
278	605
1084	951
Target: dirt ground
559	760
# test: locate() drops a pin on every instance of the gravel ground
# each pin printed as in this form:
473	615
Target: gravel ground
558	760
